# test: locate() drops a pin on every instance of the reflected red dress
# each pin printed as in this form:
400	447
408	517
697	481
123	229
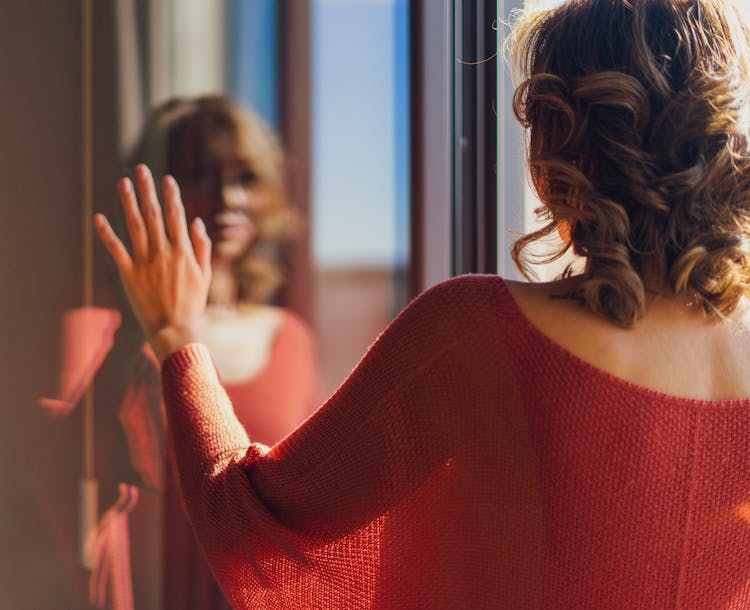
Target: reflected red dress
470	462
269	405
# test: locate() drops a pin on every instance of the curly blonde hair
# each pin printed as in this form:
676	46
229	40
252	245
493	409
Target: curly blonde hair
185	131
638	121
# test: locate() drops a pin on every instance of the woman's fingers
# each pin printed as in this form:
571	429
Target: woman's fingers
152	215
146	225
133	219
175	213
112	243
167	288
201	245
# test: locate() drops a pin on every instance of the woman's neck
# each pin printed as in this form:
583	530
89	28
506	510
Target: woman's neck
224	290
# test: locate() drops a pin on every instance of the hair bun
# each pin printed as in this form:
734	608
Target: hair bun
716	274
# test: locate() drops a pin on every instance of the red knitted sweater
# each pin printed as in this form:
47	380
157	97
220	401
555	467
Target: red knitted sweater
470	462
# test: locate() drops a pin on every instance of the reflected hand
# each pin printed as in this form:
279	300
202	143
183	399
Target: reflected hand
168	275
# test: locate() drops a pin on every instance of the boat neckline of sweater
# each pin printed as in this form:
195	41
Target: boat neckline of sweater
630	386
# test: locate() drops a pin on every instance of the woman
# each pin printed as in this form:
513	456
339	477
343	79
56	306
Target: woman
230	167
229	164
576	444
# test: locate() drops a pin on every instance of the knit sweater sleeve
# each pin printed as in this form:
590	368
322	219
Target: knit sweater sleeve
297	525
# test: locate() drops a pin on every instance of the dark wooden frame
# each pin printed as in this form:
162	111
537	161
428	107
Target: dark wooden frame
475	129
294	36
431	142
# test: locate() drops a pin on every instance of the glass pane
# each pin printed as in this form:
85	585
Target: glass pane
360	174
145	52
518	199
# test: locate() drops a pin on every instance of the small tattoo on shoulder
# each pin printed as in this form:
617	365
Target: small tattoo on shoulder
573	295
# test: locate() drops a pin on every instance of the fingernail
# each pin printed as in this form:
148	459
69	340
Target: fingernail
98	221
200	225
124	185
142	171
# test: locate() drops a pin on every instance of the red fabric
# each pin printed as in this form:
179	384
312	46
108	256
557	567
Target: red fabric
109	544
286	391
270	405
470	462
86	337
142	419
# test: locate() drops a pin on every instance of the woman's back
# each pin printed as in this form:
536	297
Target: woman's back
644	492
675	349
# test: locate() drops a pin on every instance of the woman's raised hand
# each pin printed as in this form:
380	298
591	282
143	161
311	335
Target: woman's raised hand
168	274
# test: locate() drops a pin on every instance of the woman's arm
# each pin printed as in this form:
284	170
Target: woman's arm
397	409
313	507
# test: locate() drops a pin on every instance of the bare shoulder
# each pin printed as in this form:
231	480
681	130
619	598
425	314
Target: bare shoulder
674	349
241	339
245	324
558	311
551	300
533	291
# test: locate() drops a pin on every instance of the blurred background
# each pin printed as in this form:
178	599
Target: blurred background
403	160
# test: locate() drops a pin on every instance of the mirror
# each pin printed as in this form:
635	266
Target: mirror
79	402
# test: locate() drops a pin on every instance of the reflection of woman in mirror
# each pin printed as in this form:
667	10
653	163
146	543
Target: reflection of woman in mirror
575	444
230	167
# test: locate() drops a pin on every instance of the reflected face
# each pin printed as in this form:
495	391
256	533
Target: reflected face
228	196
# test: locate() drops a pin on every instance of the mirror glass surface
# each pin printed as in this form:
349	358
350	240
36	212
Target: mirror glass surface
68	133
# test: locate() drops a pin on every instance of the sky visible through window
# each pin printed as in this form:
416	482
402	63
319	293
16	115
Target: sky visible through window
359	127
